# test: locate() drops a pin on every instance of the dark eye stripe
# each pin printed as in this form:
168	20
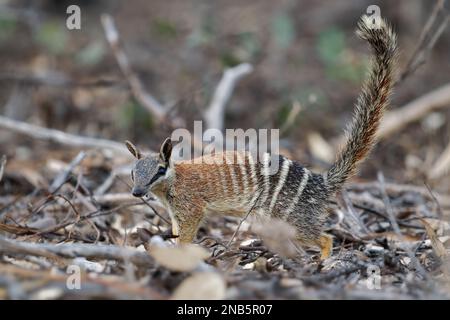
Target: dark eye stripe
160	173
132	175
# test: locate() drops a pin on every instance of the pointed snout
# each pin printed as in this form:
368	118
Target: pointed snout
138	192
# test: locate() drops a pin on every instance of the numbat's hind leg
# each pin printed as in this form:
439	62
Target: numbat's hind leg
325	243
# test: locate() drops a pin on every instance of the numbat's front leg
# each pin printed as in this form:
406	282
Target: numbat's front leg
186	221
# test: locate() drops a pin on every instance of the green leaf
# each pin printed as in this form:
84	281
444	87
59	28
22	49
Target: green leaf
249	42
133	114
91	54
283	30
229	60
338	60
202	35
331	44
165	29
7	28
52	35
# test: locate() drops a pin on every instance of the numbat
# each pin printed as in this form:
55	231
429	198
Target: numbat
236	184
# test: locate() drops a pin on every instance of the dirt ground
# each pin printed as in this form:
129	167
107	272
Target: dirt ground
66	206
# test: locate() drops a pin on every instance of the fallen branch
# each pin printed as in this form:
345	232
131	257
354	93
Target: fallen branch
427	39
62	177
114	284
121	171
394	190
442	165
73	250
397	119
215	114
121	198
61	137
396	227
2	166
149	102
58	79
291	117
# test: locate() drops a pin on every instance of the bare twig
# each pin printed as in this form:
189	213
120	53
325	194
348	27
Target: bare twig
353	218
442	165
2	166
396	228
397	119
290	119
145	99
214	115
60	136
58	79
62	177
107	285
122	170
428	38
242	220
395	189
73	250
105	200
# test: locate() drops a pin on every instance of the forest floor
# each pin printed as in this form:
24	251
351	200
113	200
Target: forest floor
69	226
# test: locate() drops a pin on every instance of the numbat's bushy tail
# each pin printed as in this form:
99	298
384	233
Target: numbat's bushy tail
189	190
371	103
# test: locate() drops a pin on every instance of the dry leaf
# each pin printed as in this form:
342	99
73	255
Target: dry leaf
396	238
201	286
179	258
277	235
437	245
320	148
440	227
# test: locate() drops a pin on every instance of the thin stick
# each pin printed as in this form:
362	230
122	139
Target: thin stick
396	228
118	285
397	119
292	116
61	137
104	187
62	177
353	218
441	166
215	113
145	99
2	166
59	79
73	250
243	219
395	189
423	47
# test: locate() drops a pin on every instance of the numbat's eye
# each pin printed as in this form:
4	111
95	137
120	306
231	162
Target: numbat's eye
132	175
161	170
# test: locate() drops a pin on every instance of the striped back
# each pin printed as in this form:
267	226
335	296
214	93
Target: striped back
233	182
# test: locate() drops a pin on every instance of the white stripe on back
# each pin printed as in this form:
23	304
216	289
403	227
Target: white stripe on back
281	181
220	167
232	167
244	178
300	189
253	172
266	174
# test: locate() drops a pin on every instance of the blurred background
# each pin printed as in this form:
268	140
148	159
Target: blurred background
303	52
308	67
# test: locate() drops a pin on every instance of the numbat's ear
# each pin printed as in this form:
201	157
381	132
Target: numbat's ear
134	151
166	150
